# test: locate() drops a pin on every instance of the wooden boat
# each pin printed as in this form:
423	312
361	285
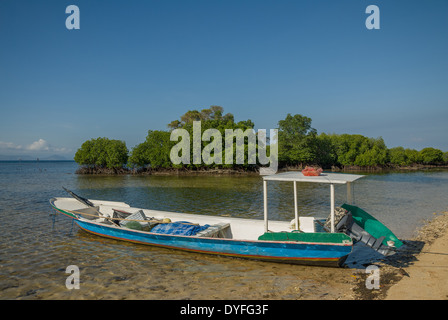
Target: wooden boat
304	240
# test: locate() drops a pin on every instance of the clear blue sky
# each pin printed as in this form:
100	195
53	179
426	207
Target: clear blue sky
137	65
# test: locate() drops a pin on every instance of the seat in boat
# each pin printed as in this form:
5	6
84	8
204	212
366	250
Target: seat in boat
218	230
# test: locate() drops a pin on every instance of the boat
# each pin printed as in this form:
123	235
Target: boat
304	240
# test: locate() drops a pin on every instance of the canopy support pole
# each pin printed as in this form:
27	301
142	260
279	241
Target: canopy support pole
332	207
296	210
265	200
349	193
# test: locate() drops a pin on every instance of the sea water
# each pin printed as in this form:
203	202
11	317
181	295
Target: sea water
37	246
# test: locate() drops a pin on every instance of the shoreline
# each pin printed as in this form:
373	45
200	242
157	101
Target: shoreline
418	272
426	278
243	171
162	172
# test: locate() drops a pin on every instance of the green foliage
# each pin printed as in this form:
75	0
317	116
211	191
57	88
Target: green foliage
413	156
296	140
349	147
212	113
212	118
325	150
373	152
155	151
357	150
431	156
399	157
85	155
103	153
298	144
445	157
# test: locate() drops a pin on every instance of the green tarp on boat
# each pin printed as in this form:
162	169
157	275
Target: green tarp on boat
371	225
316	237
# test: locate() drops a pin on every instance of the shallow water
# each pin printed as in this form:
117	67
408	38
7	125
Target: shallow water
36	247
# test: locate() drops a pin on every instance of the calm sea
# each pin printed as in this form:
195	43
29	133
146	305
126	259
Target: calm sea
36	247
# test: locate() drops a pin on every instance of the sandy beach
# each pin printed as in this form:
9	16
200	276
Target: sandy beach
426	278
419	271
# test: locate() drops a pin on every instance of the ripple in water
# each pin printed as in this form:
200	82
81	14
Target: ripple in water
35	250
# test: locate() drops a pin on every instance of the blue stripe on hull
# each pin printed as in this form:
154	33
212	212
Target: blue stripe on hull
290	252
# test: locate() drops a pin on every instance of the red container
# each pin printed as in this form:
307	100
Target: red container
310	171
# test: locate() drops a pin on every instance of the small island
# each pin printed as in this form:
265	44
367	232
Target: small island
298	145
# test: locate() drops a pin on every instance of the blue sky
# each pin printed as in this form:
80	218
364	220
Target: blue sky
137	65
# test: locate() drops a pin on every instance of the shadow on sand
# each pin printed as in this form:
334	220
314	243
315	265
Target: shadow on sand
391	268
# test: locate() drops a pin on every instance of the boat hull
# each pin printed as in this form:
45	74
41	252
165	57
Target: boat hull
321	254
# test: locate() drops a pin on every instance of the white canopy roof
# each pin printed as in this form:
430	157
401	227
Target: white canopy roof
333	178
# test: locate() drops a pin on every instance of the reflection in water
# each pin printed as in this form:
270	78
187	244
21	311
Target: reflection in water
237	196
400	200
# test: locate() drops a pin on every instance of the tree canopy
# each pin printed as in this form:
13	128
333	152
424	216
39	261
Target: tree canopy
298	143
155	151
102	153
296	140
212	113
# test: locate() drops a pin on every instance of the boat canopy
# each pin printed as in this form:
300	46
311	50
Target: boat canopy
297	176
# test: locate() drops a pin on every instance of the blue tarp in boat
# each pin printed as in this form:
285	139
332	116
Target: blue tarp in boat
181	228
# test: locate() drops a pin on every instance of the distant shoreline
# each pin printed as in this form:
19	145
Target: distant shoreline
163	171
391	168
222	171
